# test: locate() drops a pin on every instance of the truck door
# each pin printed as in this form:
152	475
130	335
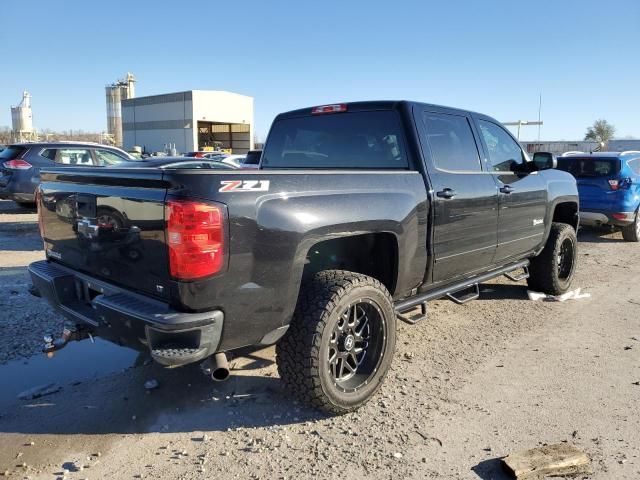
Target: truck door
464	195
522	197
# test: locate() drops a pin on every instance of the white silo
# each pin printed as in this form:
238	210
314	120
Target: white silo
115	93
22	120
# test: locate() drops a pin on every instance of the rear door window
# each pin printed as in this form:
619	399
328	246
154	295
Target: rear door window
359	140
589	167
74	156
106	157
49	153
451	141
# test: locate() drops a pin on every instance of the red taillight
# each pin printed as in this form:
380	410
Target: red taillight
195	237
335	108
17	164
620	216
625	183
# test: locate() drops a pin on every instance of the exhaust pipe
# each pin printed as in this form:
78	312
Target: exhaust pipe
219	367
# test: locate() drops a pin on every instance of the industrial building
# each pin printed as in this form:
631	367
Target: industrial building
116	92
192	120
22	121
559	147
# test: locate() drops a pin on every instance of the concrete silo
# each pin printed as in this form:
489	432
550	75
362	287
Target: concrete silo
115	93
22	120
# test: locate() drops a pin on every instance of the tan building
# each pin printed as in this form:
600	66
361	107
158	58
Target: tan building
192	120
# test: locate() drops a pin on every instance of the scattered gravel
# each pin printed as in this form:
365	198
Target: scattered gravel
445	410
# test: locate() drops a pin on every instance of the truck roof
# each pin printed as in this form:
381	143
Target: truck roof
373	105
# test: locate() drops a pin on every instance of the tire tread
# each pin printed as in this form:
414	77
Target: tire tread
297	353
543	268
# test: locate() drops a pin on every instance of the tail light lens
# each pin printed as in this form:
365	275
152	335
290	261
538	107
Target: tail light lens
17	164
625	183
195	237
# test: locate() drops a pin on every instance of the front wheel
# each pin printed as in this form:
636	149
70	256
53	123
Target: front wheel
631	233
552	270
340	343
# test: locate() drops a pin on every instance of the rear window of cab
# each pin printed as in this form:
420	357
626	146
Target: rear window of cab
358	140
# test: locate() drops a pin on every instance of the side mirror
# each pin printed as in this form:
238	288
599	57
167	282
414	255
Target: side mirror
545	160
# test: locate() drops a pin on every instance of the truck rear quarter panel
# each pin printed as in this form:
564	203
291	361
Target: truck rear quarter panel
271	233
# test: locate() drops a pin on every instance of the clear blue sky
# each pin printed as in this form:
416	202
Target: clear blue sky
490	56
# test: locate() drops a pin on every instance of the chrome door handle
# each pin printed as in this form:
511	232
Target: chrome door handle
446	193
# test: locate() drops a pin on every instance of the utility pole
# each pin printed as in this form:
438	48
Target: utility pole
520	123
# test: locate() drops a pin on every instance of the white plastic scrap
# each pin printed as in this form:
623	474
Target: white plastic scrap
572	295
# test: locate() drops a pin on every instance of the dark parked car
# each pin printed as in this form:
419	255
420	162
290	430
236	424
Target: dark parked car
359	214
20	164
177	162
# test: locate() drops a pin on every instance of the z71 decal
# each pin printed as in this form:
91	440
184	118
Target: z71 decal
244	186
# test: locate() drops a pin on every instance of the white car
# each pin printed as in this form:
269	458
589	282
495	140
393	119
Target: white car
235	160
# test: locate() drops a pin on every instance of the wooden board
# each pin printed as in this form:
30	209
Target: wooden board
556	459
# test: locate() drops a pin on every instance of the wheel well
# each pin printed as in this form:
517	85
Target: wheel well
566	213
372	254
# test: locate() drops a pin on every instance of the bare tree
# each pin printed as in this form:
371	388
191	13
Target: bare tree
601	131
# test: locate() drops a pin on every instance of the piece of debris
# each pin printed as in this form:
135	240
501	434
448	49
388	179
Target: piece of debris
151	384
397	455
572	295
39	391
557	459
627	347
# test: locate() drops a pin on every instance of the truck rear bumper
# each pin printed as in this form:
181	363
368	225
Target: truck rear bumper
173	338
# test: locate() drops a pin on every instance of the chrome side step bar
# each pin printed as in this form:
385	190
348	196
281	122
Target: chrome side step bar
449	291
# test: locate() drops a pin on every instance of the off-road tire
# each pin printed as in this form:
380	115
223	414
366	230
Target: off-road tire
302	355
631	233
545	273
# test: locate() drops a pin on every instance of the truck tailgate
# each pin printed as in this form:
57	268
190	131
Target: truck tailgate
108	223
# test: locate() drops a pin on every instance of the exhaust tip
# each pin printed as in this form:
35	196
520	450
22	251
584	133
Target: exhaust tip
219	367
220	374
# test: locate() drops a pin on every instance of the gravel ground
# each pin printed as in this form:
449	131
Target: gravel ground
24	318
467	387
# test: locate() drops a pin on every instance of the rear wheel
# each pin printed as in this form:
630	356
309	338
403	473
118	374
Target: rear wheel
552	271
340	343
631	233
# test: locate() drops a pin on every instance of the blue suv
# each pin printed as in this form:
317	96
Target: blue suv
609	188
20	164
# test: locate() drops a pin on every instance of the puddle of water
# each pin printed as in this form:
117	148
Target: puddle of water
77	362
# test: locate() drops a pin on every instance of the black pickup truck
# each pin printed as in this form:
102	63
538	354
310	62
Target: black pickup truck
359	214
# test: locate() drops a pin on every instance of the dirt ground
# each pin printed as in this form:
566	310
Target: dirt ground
467	387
